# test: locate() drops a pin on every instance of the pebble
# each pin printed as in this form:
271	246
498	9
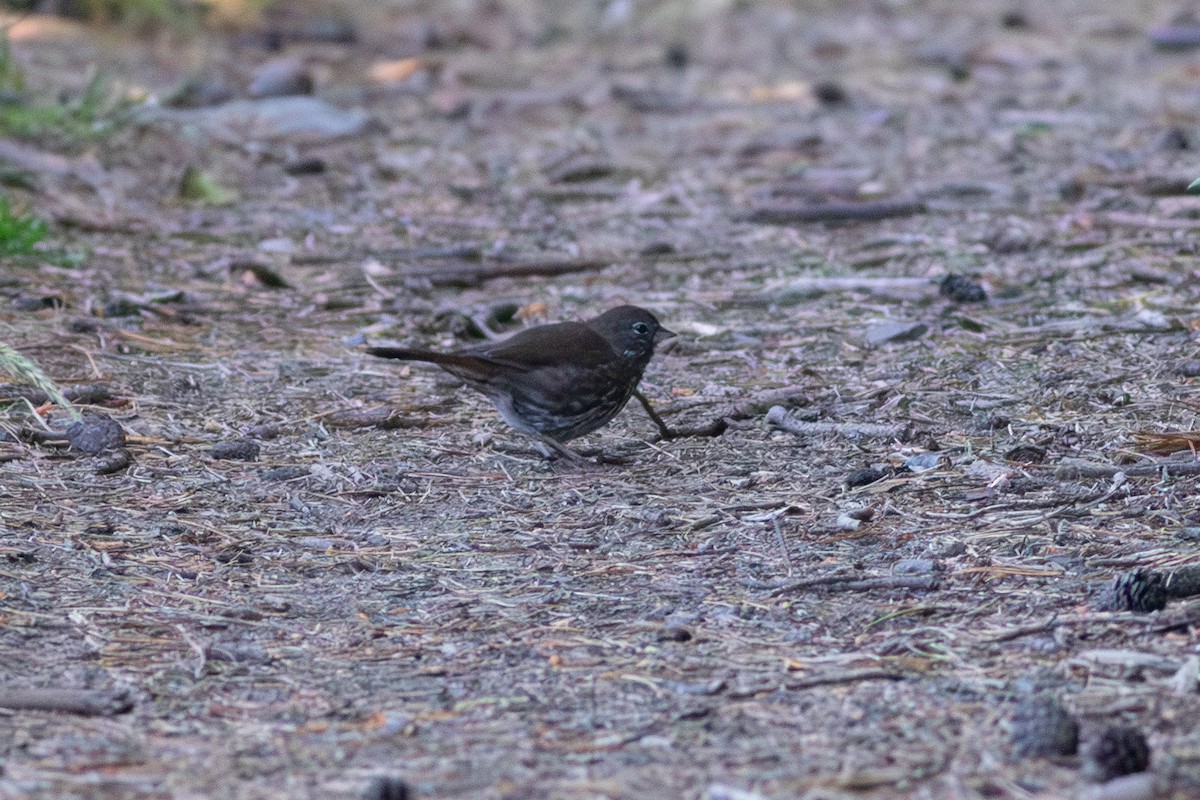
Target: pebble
895	332
283	77
235	450
914	566
95	433
296	119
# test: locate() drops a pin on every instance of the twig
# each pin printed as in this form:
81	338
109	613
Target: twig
1145	221
713	428
83	393
1075	471
88	702
761	401
471	274
779	417
813	287
867	211
787	558
849	583
197	648
845	676
1008	634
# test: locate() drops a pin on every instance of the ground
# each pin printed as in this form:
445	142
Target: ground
400	586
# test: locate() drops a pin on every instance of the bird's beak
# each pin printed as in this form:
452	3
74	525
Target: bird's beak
664	334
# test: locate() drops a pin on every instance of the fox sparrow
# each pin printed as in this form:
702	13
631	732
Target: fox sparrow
556	382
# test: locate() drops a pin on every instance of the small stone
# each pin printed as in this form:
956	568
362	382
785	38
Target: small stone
961	289
676	55
1042	727
1183	582
40	302
895	332
281	78
235	450
831	93
112	461
306	166
264	432
199	92
1119	750
950	550
864	477
1026	454
388	789
914	566
924	462
95	433
288	472
295	119
674	633
1188	369
846	522
1014	19
1141	591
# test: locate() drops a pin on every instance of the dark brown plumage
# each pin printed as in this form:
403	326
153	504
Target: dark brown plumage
556	382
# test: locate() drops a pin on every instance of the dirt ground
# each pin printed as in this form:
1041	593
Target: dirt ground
399	586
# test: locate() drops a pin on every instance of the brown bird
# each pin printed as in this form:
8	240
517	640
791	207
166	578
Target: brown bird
556	382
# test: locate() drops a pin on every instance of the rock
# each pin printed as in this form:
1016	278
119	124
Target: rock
864	477
200	93
287	472
961	289
236	450
914	566
96	433
895	332
112	461
300	120
282	77
388	789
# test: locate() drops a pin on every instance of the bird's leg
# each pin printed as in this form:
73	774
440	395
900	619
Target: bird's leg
551	447
666	433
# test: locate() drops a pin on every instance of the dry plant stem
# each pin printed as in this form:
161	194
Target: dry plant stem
761	401
714	427
1163	621
834	212
850	583
1073	472
87	702
1145	221
883	286
468	274
82	393
846	676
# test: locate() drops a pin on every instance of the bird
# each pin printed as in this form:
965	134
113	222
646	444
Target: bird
556	382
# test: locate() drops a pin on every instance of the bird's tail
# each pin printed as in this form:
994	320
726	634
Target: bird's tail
405	354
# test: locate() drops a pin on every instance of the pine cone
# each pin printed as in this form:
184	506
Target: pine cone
1142	590
1119	750
1042	727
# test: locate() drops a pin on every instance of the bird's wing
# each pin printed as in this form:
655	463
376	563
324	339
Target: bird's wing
547	346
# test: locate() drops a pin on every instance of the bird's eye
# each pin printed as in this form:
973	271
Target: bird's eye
641	328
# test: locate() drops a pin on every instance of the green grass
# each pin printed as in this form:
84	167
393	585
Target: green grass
91	116
67	120
26	371
19	233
